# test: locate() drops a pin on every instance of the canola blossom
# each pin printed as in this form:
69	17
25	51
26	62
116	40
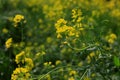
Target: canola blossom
21	73
8	43
17	19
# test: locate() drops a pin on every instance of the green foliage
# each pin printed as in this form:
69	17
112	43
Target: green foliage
116	61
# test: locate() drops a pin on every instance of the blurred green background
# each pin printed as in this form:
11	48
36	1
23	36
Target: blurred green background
38	38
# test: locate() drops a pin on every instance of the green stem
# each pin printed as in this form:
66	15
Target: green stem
49	72
77	49
84	74
52	71
22	35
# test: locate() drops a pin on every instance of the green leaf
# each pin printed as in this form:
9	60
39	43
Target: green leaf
116	61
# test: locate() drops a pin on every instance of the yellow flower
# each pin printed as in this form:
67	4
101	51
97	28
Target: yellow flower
76	15
47	63
71	78
65	77
115	13
60	22
92	54
20	73
18	18
93	74
62	29
8	43
4	30
87	78
29	63
48	77
111	41
59	36
79	19
58	62
111	38
49	40
73	72
20	57
40	20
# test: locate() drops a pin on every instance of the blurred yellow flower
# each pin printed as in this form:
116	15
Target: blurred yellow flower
8	43
87	78
80	63
18	18
93	74
29	63
115	13
20	57
111	38
4	30
48	77
59	36
47	63
58	62
92	54
49	40
65	77
76	15
73	72
71	78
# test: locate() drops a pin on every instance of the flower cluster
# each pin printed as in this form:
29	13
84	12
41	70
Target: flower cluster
63	29
25	65
20	73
